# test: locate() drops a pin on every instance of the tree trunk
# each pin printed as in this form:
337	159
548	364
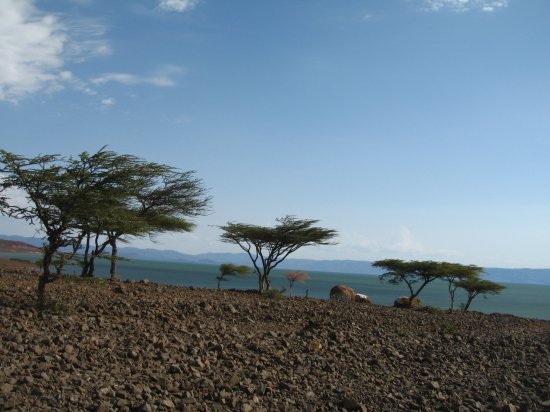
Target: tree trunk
452	308
91	266
266	282
45	277
85	261
452	292
468	302
114	252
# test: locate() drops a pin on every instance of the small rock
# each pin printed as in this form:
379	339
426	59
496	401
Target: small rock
119	289
434	385
314	346
6	388
104	390
103	408
235	380
246	407
168	403
145	408
224	394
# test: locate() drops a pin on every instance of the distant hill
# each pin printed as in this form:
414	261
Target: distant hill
361	267
13	246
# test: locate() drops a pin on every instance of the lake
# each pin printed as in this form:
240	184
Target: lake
531	301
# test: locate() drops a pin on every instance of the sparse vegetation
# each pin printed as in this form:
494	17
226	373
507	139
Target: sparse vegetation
229	269
447	327
295	276
274	293
409	273
475	287
267	247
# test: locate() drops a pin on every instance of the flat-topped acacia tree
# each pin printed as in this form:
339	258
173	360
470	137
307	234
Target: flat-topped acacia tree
410	273
454	273
475	286
267	247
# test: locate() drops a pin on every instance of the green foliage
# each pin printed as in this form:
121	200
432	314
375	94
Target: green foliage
97	199
55	307
274	294
454	273
229	269
429	309
477	286
269	246
447	328
410	273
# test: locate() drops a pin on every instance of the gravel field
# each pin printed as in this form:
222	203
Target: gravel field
101	346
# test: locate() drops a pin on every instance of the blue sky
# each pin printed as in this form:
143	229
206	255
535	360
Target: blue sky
419	129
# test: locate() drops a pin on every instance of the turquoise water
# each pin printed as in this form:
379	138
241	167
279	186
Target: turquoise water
532	301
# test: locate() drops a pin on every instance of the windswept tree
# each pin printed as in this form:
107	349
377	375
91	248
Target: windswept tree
102	195
413	273
53	200
229	269
267	247
107	176
295	276
453	273
163	200
476	286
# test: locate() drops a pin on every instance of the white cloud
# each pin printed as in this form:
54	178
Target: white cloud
87	39
30	51
108	101
177	5
35	46
164	76
465	5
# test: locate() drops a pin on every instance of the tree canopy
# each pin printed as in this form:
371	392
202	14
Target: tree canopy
229	269
476	286
101	195
454	273
267	247
410	273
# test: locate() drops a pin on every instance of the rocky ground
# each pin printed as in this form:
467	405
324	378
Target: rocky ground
133	346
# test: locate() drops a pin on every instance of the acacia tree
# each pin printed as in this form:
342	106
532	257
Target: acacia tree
229	269
269	246
295	276
53	199
410	273
103	194
162	200
106	176
454	273
475	286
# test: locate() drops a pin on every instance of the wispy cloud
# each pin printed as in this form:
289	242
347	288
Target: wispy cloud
108	102
465	5
35	47
179	6
164	76
87	40
405	243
